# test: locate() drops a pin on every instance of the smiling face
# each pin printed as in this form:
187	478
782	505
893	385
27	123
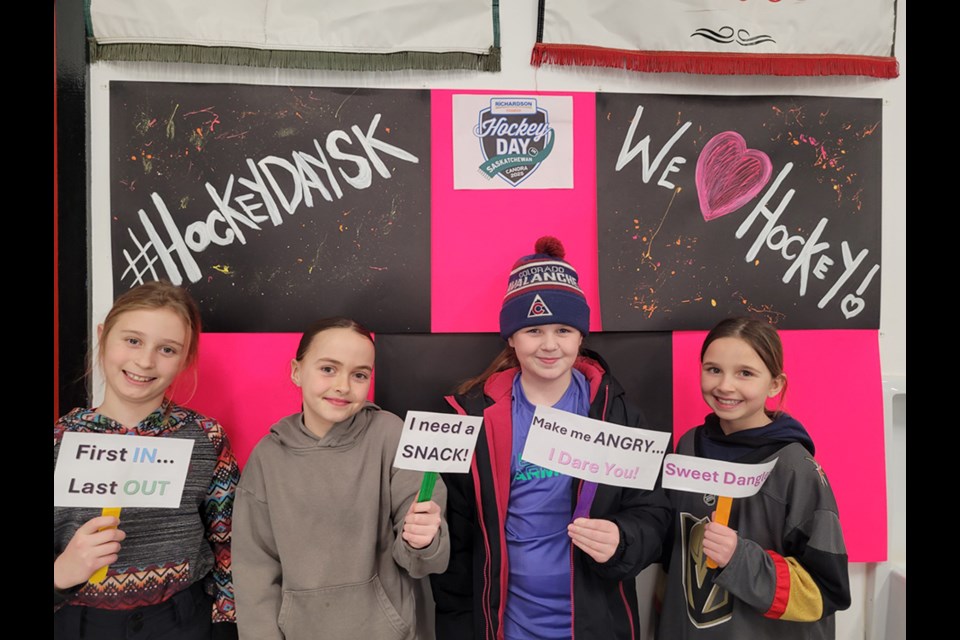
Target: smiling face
736	384
546	354
141	355
334	376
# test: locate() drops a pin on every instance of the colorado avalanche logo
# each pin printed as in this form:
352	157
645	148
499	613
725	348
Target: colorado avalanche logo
515	137
539	308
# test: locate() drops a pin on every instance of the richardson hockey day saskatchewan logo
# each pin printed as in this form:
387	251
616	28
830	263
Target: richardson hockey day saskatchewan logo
515	137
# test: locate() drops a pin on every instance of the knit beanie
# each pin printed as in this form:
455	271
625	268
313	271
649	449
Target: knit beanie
543	289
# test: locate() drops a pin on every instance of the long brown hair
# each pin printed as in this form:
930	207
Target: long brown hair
506	359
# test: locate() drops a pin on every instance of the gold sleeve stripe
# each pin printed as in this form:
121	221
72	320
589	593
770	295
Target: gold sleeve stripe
805	603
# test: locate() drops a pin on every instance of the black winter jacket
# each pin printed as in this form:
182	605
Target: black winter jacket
470	595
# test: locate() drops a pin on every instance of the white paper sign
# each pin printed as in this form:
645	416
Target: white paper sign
512	141
702	475
437	442
594	450
100	470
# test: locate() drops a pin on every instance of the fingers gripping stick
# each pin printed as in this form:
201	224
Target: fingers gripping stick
723	517
101	573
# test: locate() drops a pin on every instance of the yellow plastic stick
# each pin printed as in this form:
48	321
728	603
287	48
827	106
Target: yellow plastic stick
723	517
101	573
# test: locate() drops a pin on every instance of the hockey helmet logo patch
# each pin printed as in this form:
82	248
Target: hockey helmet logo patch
539	308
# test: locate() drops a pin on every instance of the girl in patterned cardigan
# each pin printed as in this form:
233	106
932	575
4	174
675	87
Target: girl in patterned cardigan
168	569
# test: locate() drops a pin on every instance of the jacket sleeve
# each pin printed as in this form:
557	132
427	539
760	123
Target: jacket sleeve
404	487
453	589
257	574
643	520
809	580
642	516
218	521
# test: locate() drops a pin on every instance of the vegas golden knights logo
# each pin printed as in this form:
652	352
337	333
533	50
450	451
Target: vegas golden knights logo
707	604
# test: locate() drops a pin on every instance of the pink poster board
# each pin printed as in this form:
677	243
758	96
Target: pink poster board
835	391
243	381
478	235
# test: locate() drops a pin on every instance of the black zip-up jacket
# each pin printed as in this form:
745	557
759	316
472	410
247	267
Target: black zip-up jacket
470	595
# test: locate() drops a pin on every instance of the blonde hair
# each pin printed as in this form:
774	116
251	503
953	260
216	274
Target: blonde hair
159	294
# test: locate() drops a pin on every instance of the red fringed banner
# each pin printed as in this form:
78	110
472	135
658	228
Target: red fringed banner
721	37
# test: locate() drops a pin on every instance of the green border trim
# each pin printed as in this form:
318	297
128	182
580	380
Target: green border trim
241	56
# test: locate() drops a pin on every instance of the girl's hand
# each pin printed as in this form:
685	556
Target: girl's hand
597	538
719	542
421	524
88	550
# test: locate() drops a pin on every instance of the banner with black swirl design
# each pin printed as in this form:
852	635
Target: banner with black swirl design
725	37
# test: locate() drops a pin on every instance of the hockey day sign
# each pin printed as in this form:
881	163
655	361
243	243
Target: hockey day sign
505	142
437	442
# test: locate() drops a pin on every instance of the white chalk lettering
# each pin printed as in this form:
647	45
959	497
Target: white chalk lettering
806	254
271	185
627	153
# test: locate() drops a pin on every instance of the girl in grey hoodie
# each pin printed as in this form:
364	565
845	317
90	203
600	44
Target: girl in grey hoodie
328	538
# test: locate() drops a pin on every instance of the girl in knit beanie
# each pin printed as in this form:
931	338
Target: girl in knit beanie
535	553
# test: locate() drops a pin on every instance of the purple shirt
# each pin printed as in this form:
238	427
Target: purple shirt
538	547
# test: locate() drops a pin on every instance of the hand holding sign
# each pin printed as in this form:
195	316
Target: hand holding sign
597	538
593	450
421	524
94	546
112	471
435	442
719	542
724	479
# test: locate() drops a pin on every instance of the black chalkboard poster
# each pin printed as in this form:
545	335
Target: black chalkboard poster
274	205
716	206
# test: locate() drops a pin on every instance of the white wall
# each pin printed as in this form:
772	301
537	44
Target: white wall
518	29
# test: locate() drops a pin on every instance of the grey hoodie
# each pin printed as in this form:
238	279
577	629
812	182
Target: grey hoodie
317	550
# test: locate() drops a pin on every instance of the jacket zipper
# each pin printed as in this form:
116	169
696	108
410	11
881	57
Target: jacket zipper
573	614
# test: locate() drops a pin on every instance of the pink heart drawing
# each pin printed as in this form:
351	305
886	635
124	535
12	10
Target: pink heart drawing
729	175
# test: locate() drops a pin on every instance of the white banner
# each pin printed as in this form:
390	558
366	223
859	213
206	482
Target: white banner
766	37
358	26
101	470
702	475
594	450
437	442
513	141
856	27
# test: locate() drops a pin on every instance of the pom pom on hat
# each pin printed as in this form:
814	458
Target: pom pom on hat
543	289
550	246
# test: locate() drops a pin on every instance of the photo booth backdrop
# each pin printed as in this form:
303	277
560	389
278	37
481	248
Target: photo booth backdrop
432	290
711	206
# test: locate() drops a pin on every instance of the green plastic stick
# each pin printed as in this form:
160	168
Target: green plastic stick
426	487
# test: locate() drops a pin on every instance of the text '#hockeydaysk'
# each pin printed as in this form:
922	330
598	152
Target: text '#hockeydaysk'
245	204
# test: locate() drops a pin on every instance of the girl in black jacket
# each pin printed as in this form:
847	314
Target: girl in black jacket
521	564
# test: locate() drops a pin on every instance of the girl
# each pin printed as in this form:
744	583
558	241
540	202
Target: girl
169	569
522	565
328	535
782	565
